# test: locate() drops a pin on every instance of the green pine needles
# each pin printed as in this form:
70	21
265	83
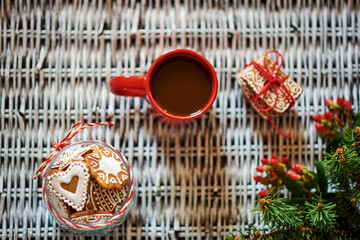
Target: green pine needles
279	215
319	216
328	208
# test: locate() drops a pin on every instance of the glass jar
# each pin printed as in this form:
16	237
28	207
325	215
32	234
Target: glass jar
89	187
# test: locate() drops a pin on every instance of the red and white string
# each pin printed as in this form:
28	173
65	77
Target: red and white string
75	129
273	81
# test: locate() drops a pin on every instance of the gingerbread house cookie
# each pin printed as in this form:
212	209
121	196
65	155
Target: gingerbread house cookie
106	200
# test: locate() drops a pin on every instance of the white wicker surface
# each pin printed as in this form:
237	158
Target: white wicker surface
57	58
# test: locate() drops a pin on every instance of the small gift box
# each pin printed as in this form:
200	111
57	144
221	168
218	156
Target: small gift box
269	90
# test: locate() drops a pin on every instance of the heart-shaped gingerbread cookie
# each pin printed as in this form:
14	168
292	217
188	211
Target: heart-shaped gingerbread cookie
72	185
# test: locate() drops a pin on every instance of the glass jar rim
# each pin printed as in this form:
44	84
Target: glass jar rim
123	159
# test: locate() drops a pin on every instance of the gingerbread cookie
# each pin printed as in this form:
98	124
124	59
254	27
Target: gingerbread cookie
72	185
62	208
86	217
106	200
78	155
107	169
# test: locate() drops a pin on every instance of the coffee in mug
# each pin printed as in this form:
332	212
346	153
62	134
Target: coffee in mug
181	85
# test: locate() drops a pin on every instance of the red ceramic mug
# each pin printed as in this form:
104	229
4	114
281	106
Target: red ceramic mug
195	92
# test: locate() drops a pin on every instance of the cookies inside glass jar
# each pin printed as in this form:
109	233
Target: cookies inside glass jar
88	183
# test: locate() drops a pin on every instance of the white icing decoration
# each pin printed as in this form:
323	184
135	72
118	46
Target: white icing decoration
94	156
112	180
93	218
106	200
58	205
78	199
110	166
124	192
94	164
65	160
124	177
106	152
102	175
94	147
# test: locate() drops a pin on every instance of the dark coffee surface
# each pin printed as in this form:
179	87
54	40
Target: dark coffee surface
181	86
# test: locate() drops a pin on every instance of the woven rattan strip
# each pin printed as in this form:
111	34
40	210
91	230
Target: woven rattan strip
193	181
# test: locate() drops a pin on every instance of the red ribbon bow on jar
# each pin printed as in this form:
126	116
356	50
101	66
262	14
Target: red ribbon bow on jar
275	82
75	129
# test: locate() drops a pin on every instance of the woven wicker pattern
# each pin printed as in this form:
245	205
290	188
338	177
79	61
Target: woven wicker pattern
57	57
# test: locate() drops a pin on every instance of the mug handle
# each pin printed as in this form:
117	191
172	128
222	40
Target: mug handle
133	86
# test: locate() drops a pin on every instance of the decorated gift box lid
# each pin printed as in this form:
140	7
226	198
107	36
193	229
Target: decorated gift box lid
254	81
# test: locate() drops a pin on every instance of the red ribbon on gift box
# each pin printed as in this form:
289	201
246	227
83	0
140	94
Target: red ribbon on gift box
75	129
273	81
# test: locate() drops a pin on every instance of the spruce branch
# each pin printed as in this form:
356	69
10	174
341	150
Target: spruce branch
321	216
335	217
302	233
278	215
348	212
311	193
343	167
309	233
344	164
338	169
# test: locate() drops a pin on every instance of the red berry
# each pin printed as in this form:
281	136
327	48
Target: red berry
274	162
347	104
318	126
297	168
257	178
289	173
337	119
328	115
263	193
285	160
269	180
275	156
329	102
260	168
317	118
324	129
340	101
273	174
293	175
265	161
